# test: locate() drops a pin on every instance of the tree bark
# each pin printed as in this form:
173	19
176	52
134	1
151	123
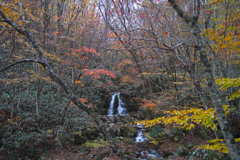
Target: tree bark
101	127
193	23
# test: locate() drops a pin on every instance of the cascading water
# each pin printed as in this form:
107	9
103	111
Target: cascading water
121	110
140	137
117	103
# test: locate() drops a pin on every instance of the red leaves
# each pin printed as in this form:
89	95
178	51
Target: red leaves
166	33
96	73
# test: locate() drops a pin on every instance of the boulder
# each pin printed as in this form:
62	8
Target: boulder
90	131
182	151
208	154
78	138
129	131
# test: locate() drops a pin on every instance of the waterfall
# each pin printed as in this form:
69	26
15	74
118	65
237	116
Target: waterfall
121	110
140	137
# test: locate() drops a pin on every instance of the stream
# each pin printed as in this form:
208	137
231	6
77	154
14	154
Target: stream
121	110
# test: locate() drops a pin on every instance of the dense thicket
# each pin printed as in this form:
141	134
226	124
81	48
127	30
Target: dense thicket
67	57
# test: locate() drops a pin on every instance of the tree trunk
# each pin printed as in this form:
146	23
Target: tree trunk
193	23
101	127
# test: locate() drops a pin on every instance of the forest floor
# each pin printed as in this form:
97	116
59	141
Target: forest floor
130	148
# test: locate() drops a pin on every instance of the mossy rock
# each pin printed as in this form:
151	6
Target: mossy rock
208	154
128	141
112	132
78	138
97	143
129	131
90	131
118	139
182	151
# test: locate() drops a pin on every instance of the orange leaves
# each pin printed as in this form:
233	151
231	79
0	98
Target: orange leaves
78	81
91	50
147	104
83	100
96	73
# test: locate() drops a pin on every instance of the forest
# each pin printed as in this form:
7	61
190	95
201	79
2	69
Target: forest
119	79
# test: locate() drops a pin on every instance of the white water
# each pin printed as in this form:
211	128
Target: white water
121	109
140	137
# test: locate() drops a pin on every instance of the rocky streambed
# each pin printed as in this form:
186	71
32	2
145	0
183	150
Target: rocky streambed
136	142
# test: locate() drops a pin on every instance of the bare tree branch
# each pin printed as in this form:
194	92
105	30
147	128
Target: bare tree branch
101	126
21	61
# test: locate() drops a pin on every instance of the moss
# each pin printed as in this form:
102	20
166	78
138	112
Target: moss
78	138
96	143
129	131
128	141
118	139
78	133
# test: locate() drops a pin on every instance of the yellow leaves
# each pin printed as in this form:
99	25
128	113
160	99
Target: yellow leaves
178	83
217	144
226	83
49	131
127	79
227	39
186	118
51	56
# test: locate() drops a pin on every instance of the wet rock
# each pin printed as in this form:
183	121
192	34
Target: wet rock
83	151
154	154
208	154
165	153
182	151
192	158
